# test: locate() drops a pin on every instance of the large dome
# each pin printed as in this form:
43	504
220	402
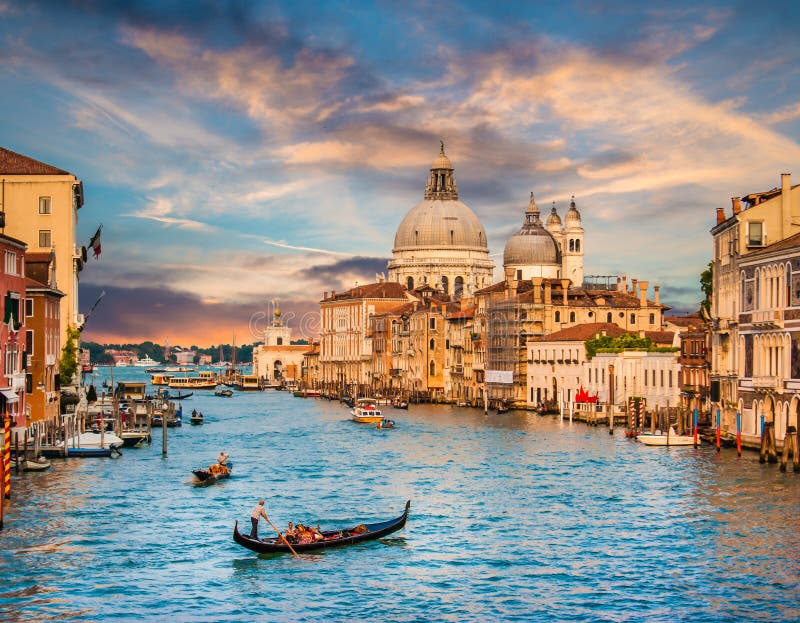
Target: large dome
532	245
437	223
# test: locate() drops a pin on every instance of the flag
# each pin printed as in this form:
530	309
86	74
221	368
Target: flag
94	243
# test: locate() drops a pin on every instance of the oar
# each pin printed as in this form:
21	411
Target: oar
291	549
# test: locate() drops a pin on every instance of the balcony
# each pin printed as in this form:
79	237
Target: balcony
764	383
396	372
457	369
768	319
18	381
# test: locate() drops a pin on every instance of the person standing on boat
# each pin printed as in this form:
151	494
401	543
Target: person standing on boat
223	457
257	513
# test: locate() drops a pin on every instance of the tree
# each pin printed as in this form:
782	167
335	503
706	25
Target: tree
91	394
68	365
707	287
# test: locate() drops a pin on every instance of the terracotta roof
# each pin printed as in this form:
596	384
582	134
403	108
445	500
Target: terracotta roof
582	332
385	290
12	163
462	313
685	321
661	338
396	311
34	256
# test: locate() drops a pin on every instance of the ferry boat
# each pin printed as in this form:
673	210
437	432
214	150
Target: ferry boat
191	382
160	379
366	412
147	362
249	383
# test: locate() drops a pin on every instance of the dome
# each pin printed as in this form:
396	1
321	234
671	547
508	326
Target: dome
533	245
436	223
573	217
554	218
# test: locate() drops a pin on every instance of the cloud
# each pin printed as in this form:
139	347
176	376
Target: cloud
346	272
284	245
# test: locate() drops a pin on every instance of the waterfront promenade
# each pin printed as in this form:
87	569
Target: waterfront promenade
514	518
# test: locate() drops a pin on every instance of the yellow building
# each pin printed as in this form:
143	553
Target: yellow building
39	204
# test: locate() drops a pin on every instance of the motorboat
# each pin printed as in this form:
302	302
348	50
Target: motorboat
224	393
365	411
196	418
91	439
38	465
385	423
671	438
147	362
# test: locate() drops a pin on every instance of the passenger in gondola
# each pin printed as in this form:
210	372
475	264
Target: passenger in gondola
291	534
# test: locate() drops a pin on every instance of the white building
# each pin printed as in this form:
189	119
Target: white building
650	375
441	241
277	359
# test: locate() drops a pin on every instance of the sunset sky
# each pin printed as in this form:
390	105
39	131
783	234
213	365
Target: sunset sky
240	152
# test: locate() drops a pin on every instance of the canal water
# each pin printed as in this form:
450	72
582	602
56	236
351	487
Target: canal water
514	517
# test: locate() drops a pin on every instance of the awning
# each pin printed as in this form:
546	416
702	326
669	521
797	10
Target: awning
9	396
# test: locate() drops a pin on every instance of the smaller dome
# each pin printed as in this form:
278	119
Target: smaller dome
573	217
532	245
554	218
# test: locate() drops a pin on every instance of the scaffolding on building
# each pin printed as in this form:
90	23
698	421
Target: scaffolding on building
504	338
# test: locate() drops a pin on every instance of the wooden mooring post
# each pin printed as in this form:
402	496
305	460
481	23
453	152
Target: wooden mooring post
164	431
768	452
790	449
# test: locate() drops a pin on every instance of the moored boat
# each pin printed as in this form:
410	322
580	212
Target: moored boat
147	362
331	538
38	465
662	439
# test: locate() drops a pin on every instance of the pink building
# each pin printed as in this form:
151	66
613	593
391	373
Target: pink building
12	331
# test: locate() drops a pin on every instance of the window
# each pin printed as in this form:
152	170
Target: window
633	318
445	285
28	307
577	246
447	344
755	234
572	316
410	283
29	342
519	274
11	263
458	287
670	378
558	316
608	317
652	318
45	238
280	341
432	369
572	245
433	323
432	345
44	205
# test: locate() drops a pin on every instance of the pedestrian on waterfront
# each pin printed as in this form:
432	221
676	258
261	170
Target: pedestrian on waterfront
257	513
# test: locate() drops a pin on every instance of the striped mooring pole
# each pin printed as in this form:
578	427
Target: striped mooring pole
7	459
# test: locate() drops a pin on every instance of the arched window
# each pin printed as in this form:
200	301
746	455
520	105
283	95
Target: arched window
571	245
410	283
608	317
433	344
578	246
558	316
572	316
458	287
445	285
788	286
432	369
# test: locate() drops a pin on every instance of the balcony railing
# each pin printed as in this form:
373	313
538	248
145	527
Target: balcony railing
768	318
765	382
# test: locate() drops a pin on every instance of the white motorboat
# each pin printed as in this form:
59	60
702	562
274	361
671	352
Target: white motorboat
366	412
147	362
92	440
666	439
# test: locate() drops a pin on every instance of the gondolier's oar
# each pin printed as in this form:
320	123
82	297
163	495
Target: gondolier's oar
283	538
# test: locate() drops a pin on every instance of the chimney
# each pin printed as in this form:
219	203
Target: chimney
564	288
720	216
619	281
643	293
537	290
333	293
325	295
548	292
633	287
737	205
786	197
656	290
624	283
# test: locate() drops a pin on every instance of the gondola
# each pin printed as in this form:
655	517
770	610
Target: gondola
213	473
333	538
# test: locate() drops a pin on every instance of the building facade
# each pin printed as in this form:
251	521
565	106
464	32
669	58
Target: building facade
277	360
13	333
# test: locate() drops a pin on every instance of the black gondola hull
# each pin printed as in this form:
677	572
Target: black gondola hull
374	531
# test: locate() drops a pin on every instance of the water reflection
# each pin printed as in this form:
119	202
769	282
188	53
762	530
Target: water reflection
513	517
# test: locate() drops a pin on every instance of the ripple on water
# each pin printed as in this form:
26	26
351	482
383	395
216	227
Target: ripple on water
513	518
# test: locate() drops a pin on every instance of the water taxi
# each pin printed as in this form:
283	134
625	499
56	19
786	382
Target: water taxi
366	412
191	382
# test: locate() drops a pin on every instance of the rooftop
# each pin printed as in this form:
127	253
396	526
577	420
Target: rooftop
12	163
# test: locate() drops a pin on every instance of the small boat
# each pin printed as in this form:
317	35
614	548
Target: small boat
385	423
180	396
197	418
671	439
225	393
36	466
132	438
502	408
399	404
365	412
214	472
462	403
331	538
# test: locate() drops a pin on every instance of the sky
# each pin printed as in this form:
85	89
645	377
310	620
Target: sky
239	153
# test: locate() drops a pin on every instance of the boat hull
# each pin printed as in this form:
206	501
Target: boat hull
664	440
367	419
35	466
332	538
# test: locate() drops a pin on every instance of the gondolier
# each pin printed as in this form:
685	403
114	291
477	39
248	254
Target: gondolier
257	513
